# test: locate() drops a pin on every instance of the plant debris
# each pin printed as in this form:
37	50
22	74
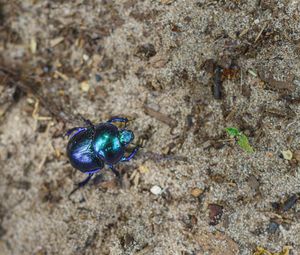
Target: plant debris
281	86
32	85
262	251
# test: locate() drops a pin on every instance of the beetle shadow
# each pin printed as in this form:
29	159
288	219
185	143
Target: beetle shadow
97	180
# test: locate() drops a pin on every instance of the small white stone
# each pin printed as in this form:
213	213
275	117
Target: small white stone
85	86
85	57
288	155
156	190
256	21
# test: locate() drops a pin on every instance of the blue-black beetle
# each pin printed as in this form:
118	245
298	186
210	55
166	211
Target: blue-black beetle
91	147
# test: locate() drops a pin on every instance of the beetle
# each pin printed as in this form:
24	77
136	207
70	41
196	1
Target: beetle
90	148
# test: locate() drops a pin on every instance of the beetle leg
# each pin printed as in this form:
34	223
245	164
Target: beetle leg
77	129
85	181
94	171
118	119
117	174
81	184
131	155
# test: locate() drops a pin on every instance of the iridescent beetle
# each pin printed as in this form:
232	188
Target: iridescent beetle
90	148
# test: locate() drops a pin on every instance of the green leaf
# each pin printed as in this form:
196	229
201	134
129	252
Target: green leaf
244	143
242	140
233	131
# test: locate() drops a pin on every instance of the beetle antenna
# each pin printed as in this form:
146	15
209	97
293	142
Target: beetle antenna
86	121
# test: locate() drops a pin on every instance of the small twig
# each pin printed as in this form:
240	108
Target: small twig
42	163
35	114
241	79
160	116
217	86
260	32
160	157
62	76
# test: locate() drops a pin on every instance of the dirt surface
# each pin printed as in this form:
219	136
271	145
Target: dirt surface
161	63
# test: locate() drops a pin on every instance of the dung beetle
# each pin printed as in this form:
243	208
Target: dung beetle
90	148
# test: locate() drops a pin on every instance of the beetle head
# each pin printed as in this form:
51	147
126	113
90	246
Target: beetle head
126	136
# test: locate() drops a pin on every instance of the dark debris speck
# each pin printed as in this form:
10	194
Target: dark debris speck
289	203
272	227
98	78
215	214
146	51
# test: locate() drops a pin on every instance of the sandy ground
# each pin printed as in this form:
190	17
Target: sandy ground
154	62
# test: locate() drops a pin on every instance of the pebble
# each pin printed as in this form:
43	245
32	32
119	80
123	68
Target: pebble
196	192
156	190
288	155
85	86
85	57
253	183
296	155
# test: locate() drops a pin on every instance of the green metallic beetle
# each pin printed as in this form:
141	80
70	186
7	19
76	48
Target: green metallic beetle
90	148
